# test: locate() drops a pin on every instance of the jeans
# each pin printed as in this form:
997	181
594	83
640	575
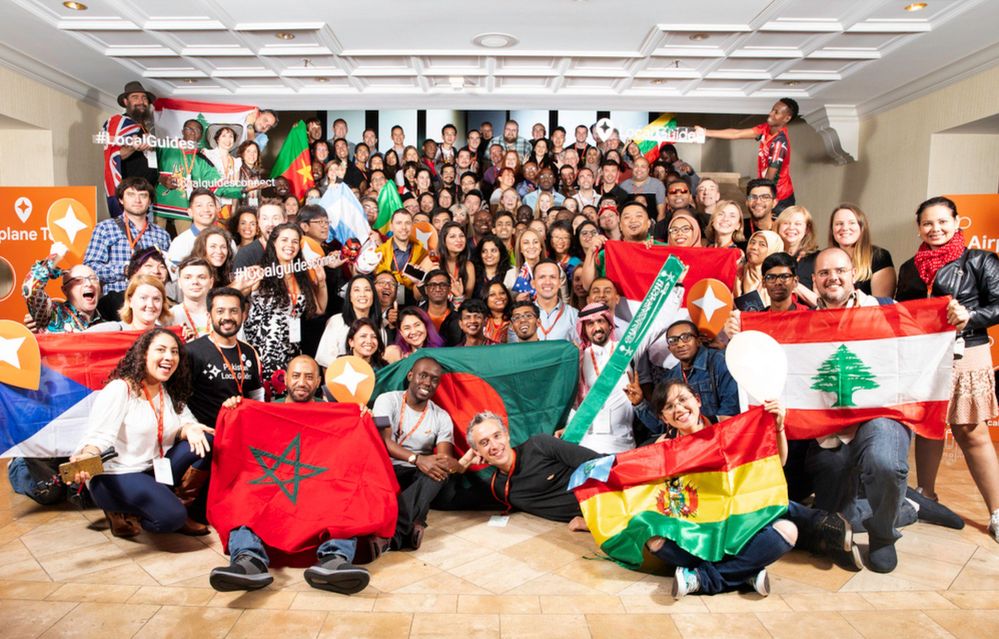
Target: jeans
876	460
243	540
416	491
763	549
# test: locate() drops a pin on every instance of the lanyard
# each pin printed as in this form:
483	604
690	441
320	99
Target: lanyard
551	327
128	234
506	487
190	322
293	296
159	417
593	358
225	360
402	413
395	261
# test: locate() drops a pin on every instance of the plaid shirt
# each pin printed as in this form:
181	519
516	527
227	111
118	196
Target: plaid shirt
520	145
109	251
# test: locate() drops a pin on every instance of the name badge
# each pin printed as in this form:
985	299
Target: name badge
162	471
294	329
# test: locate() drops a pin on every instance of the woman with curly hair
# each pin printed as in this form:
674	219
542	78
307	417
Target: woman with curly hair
214	245
163	452
416	331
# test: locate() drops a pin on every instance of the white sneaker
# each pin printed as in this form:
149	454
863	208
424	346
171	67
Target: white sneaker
684	582
760	582
994	525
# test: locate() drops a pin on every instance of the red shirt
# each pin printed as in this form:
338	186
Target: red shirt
775	152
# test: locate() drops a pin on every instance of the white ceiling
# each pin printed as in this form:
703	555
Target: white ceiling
731	56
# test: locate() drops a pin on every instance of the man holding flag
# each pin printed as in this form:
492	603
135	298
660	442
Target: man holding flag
131	160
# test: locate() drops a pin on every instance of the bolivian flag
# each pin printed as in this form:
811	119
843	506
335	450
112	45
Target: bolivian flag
709	492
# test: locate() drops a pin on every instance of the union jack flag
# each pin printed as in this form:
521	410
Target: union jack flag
117	126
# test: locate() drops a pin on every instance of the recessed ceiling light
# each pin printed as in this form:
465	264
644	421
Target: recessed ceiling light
659	81
189	81
495	40
697	37
791	83
75	6
284	35
322	79
915	6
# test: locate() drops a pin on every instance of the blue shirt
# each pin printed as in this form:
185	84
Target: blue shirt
109	250
710	379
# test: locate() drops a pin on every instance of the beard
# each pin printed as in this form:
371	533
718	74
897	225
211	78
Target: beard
142	115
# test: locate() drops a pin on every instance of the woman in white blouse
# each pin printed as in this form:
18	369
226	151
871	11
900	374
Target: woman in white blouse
163	459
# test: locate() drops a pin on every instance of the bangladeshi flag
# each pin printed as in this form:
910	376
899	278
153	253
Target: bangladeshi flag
531	385
294	161
848	366
633	267
299	474
709	492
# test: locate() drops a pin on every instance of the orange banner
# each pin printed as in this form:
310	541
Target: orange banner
32	219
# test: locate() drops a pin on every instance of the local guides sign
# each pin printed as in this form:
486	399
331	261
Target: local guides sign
32	219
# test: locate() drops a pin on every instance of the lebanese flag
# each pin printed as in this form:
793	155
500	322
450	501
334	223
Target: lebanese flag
847	366
294	162
633	268
299	474
171	114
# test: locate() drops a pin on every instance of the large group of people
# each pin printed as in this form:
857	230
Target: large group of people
521	226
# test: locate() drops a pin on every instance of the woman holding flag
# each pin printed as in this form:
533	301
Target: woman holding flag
943	266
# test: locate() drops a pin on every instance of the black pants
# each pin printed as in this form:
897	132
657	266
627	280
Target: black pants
416	491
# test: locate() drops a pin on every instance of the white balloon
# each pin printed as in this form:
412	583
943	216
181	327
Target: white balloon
758	364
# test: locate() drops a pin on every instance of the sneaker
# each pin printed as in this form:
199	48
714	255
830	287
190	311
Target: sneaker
684	582
835	532
994	524
847	559
245	572
338	575
882	556
760	583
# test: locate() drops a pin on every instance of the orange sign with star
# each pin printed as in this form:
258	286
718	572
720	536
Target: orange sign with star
32	220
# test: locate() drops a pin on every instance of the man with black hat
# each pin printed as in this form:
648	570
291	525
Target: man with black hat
136	159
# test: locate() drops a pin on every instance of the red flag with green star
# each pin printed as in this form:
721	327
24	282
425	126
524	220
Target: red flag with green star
294	161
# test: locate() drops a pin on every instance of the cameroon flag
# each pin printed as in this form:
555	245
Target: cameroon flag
294	162
709	492
531	386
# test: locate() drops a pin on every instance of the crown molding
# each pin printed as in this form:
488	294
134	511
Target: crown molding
55	79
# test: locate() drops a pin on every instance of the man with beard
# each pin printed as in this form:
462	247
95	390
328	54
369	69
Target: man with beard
546	184
389	297
302	378
761	196
524	322
179	168
641	182
511	140
136	159
258	125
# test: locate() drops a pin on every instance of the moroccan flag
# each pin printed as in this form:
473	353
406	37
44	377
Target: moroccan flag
709	492
298	474
649	145
531	386
171	114
388	203
633	267
294	162
847	366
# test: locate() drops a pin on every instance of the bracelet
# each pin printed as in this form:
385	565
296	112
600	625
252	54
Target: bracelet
780	430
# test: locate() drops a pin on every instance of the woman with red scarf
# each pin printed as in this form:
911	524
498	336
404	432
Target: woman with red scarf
943	266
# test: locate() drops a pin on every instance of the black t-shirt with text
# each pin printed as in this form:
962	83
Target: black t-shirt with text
212	381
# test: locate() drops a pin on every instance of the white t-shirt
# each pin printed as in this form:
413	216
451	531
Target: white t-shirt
436	427
201	323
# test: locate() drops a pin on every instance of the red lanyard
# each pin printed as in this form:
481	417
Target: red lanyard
242	369
293	296
506	487
395	262
593	358
684	373
402	412
190	322
128	234
551	326
159	416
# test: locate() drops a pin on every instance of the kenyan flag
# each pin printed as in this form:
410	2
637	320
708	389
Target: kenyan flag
531	386
294	162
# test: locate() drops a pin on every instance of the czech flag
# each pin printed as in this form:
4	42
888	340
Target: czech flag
708	492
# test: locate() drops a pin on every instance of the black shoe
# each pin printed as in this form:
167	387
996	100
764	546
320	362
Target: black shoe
246	572
933	512
834	532
882	556
336	574
846	559
416	537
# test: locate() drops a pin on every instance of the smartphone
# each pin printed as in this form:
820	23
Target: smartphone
417	274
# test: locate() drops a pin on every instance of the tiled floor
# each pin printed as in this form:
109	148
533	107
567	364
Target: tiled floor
63	576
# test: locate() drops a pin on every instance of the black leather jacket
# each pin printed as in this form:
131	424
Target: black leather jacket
972	279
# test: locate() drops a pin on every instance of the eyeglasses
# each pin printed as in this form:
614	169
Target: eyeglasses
766	197
93	279
781	277
682	337
826	273
321	221
521	317
681	230
587	234
679	192
681	399
437	285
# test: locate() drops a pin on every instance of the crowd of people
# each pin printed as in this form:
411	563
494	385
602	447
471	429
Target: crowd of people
521	226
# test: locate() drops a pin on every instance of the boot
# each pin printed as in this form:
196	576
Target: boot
193	528
190	485
123	524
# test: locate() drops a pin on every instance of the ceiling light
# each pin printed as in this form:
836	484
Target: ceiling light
284	35
75	6
915	6
495	40
659	81
791	83
697	37
322	79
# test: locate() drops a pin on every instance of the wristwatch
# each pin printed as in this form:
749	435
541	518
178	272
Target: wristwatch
412	458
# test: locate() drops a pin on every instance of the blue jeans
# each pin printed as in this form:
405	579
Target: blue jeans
244	540
876	460
763	549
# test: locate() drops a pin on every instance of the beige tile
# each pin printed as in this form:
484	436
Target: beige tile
446	551
605	576
69	565
545	554
353	625
321	600
662	604
814	625
266	599
499	604
454	626
278	624
719	626
809	569
974	599
12	531
967	624
100	593
908	601
544	627
485	536
398	569
631	627
981	571
552	585
496	573
53	538
581	604
172	596
26	570
926	570
31	590
125	573
443	583
744	602
396	602
105	620
170	567
13	552
868	581
829	601
917	542
456	521
185	622
29	619
885	623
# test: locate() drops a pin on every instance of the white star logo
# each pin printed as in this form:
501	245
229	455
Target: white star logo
709	303
423	237
349	378
70	223
8	350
